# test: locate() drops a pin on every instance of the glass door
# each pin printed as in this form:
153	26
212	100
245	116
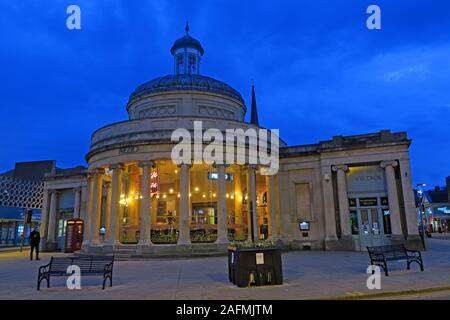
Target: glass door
371	228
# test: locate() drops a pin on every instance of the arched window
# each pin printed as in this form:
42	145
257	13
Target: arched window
180	64
192	64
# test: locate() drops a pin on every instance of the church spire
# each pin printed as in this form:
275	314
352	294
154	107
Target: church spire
254	112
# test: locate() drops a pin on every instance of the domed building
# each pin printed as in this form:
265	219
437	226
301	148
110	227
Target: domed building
341	194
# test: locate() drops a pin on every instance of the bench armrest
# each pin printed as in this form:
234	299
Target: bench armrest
45	268
376	256
413	253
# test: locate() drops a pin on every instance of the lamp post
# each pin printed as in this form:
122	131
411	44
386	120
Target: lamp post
422	211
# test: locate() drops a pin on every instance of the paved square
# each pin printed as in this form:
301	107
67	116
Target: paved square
308	275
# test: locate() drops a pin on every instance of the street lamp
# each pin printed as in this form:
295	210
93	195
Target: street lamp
422	211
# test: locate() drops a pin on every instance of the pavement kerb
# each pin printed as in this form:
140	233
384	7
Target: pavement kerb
389	294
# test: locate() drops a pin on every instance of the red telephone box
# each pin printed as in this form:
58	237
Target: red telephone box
74	235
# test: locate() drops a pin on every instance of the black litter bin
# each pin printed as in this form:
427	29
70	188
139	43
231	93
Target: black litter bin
254	266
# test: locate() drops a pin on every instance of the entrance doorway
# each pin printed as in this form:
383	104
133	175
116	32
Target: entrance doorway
370	221
371	228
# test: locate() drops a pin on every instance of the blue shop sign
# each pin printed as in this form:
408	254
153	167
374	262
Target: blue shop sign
12	213
443	210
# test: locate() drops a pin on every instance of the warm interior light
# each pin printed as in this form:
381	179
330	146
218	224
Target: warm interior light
178	195
214	195
227	195
176	171
171	190
196	189
204	196
164	196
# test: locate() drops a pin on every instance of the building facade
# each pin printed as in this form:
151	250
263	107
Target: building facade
21	192
342	194
436	208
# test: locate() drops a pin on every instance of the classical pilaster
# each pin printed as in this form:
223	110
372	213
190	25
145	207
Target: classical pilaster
96	207
330	215
144	211
344	212
273	225
77	203
44	220
222	211
394	208
88	211
408	199
116	190
183	224
51	234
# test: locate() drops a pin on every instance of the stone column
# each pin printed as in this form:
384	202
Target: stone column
116	190
183	218
394	208
43	227
96	207
344	212
144	211
76	205
273	225
222	210
107	221
51	235
252	207
238	202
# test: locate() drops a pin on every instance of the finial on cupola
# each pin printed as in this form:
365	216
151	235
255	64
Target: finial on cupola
187	27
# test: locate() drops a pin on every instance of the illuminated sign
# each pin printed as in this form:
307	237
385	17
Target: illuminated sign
443	210
154	186
215	176
304	226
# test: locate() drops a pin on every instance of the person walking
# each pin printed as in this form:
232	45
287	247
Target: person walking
35	239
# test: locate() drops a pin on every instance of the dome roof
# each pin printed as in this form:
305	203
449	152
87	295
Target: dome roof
187	42
193	82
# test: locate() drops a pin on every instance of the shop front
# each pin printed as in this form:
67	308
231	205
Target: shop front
13	227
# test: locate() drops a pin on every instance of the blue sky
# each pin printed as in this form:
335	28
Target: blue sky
319	72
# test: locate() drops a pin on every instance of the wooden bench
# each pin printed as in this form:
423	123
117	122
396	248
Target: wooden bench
89	266
381	255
